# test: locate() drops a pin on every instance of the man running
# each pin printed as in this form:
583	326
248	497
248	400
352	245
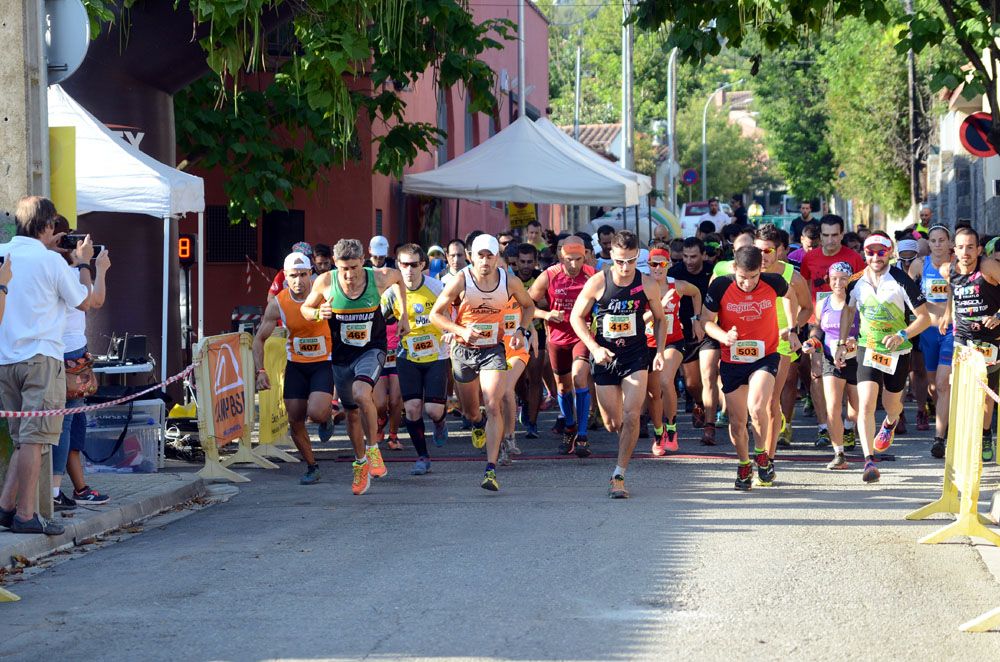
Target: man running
421	364
881	296
555	291
974	306
744	319
936	346
530	384
350	299
481	292
308	378
620	354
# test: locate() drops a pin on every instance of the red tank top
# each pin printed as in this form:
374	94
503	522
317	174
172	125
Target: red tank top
563	292
671	313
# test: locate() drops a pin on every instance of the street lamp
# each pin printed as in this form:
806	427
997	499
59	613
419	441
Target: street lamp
704	141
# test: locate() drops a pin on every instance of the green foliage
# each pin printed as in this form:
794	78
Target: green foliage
351	61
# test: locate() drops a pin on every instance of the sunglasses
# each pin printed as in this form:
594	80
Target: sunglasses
409	264
622	263
881	252
658	263
767	251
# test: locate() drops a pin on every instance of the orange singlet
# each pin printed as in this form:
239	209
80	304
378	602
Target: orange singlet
308	341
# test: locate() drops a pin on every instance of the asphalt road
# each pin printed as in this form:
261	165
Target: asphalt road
820	567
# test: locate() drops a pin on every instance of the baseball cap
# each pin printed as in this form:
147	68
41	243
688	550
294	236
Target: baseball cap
378	246
435	249
485	242
297	261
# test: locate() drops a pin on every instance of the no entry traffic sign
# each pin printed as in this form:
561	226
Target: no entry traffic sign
973	133
690	177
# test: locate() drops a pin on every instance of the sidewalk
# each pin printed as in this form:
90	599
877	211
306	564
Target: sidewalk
134	497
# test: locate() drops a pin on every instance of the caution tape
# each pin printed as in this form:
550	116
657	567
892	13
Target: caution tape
983	385
104	405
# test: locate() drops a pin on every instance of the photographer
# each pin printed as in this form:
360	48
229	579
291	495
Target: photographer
32	373
74	428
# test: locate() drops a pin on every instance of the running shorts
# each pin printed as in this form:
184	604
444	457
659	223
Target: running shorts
937	349
365	368
694	348
618	370
849	372
561	357
467	362
423	381
894	383
735	375
303	379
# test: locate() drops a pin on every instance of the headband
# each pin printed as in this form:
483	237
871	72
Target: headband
946	229
573	249
878	240
841	268
659	252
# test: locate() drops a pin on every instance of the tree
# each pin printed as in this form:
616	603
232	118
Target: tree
699	30
348	61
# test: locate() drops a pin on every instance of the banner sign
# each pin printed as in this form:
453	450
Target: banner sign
273	416
521	213
225	387
62	170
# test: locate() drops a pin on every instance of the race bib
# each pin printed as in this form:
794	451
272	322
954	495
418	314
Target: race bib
668	322
422	346
747	351
310	347
510	321
619	326
488	332
390	359
937	290
356	334
988	350
883	361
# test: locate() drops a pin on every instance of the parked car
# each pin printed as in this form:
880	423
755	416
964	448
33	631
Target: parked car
692	211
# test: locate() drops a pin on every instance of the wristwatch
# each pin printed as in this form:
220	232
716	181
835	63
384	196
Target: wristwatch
525	332
902	334
694	318
3	288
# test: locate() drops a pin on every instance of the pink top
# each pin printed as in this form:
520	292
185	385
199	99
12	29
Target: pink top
562	293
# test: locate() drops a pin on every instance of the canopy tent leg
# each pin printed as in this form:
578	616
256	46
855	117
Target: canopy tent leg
201	275
166	298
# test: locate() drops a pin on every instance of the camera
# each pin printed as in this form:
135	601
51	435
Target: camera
69	241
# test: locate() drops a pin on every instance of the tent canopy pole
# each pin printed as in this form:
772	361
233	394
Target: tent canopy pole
166	298
201	275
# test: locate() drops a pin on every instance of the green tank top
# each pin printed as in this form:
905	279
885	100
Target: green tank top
783	347
357	324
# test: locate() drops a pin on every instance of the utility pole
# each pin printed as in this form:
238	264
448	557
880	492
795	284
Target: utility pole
521	101
576	112
628	155
911	73
671	193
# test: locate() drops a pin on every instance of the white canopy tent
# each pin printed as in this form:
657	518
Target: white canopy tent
114	176
551	131
522	164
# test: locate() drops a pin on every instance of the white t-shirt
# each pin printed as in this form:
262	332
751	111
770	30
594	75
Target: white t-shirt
42	288
75	335
720	218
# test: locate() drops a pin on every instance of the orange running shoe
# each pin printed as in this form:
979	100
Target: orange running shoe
394	443
377	466
362	479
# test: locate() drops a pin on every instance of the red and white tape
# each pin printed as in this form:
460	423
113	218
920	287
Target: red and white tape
989	391
104	405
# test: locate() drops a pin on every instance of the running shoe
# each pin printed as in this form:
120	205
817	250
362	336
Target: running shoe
512	445
744	477
560	425
871	474
657	448
785	438
63	502
394	443
938	448
311	476
479	436
721	418
380	432
490	481
617	489
765	469
923	420
708	436
581	447
698	416
838	462
568	441
885	435
421	466
89	496
988	450
532	431
440	434
901	423
850	438
807	406
823	439
504	458
670	442
325	431
376	465
362	478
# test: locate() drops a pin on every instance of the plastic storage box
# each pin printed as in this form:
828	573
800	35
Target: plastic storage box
141	450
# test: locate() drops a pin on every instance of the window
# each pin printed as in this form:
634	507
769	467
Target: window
281	230
227	242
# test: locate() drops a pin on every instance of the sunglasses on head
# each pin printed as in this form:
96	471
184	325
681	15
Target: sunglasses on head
876	252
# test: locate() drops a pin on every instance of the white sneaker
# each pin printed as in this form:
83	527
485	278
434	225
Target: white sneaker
512	446
504	459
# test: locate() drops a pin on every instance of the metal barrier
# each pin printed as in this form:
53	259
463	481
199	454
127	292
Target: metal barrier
963	465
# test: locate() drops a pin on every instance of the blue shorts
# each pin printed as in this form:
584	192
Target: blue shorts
937	349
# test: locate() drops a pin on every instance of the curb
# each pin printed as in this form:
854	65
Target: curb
108	519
